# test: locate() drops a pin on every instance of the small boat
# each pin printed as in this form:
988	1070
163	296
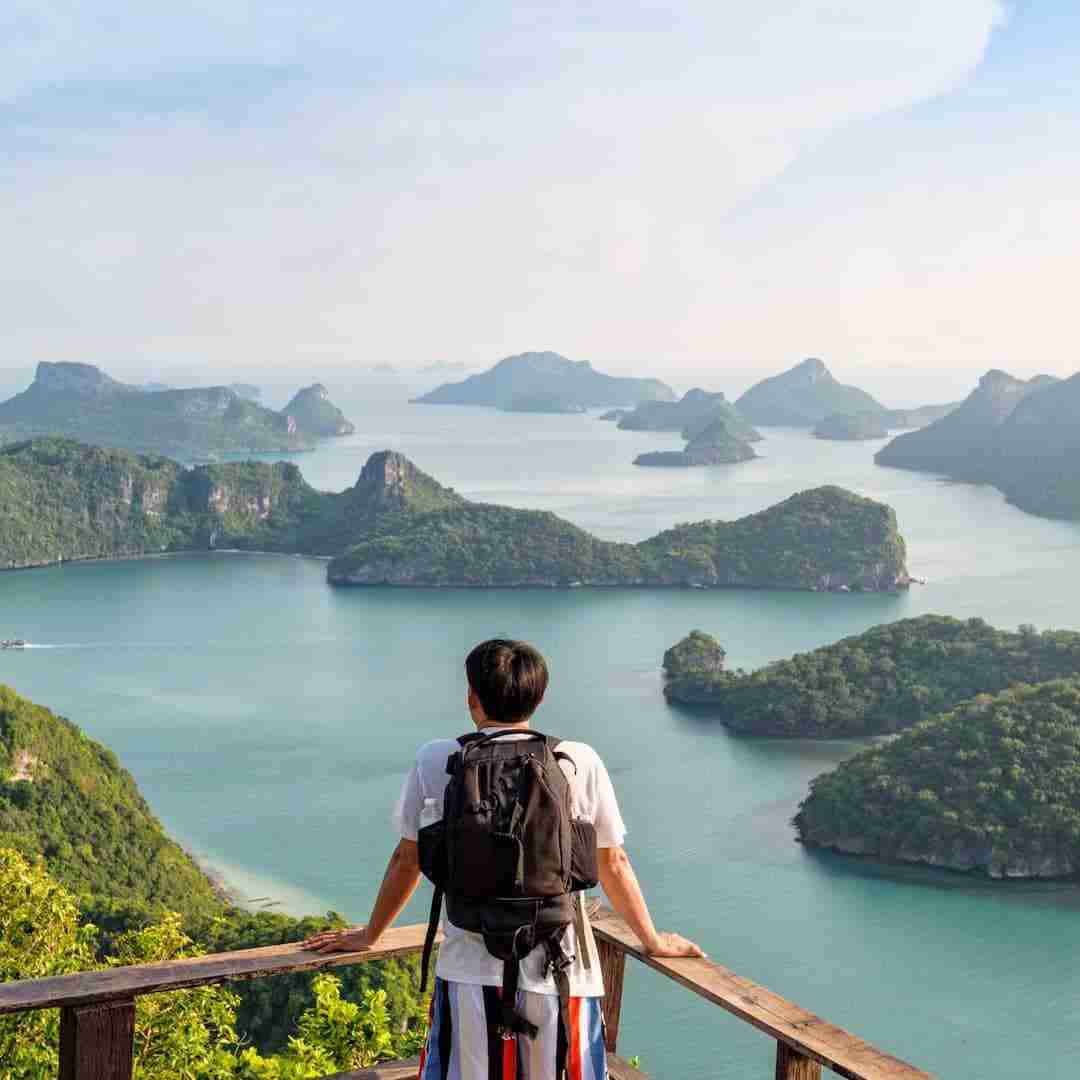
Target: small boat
13	643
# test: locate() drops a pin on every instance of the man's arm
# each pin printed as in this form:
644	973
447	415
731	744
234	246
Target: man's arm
398	884
620	883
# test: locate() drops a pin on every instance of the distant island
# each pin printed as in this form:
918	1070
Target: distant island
315	414
802	397
919	416
80	401
715	444
245	390
614	415
1023	437
990	788
573	384
844	426
695	410
882	681
398	526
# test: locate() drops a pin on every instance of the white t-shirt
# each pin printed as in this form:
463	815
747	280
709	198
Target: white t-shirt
463	956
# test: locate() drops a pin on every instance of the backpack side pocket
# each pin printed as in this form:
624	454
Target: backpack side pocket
431	840
584	871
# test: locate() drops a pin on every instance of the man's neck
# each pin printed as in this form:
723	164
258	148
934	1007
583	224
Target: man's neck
487	725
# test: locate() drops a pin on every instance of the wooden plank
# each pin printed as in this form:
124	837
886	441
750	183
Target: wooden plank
612	967
97	1041
620	1070
118	983
831	1046
387	1070
791	1065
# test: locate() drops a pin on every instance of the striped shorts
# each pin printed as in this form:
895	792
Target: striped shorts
463	1043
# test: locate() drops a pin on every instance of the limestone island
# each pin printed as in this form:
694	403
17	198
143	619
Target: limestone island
398	526
990	788
614	414
1021	436
693	412
80	401
802	397
889	678
713	445
848	427
549	376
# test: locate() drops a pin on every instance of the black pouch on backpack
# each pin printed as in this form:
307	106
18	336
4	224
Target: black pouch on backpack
431	840
584	871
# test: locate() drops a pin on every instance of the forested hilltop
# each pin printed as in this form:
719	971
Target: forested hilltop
991	788
61	500
882	681
80	401
822	538
67	804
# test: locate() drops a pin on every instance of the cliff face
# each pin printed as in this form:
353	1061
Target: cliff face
991	788
574	384
65	501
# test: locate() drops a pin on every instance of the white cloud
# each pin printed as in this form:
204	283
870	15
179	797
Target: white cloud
244	183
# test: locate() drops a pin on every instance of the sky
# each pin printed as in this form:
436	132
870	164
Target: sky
701	191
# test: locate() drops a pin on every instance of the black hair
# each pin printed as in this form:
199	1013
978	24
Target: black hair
509	678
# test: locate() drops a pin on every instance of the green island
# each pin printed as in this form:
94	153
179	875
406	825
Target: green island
80	401
695	410
88	877
713	444
1023	437
990	787
60	500
533	381
882	681
802	397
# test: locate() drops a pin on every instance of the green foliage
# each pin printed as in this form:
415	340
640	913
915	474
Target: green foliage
40	936
806	541
698	652
882	681
189	1034
992	786
269	1009
81	812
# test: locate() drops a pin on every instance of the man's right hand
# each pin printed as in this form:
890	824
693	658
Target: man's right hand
672	945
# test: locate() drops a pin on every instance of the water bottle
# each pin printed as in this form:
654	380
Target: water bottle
430	813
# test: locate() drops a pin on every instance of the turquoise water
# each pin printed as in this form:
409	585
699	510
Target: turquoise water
269	720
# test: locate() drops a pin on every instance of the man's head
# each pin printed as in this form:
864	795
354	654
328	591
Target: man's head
507	680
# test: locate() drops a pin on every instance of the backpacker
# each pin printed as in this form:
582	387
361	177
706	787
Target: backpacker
508	855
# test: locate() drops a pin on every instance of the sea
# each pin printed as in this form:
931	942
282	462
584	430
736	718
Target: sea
270	719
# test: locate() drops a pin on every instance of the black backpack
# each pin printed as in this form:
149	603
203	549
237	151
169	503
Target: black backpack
508	855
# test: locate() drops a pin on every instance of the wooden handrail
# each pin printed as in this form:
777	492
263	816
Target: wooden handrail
801	1031
124	983
94	1002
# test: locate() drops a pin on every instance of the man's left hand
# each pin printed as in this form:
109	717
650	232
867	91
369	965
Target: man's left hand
355	939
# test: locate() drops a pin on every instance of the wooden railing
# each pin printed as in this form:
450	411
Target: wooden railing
98	1007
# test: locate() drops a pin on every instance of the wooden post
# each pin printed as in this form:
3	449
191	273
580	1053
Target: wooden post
791	1065
612	965
97	1041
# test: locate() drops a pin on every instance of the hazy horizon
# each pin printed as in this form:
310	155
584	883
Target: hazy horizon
223	194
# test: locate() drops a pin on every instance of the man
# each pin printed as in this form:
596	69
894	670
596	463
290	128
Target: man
506	683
